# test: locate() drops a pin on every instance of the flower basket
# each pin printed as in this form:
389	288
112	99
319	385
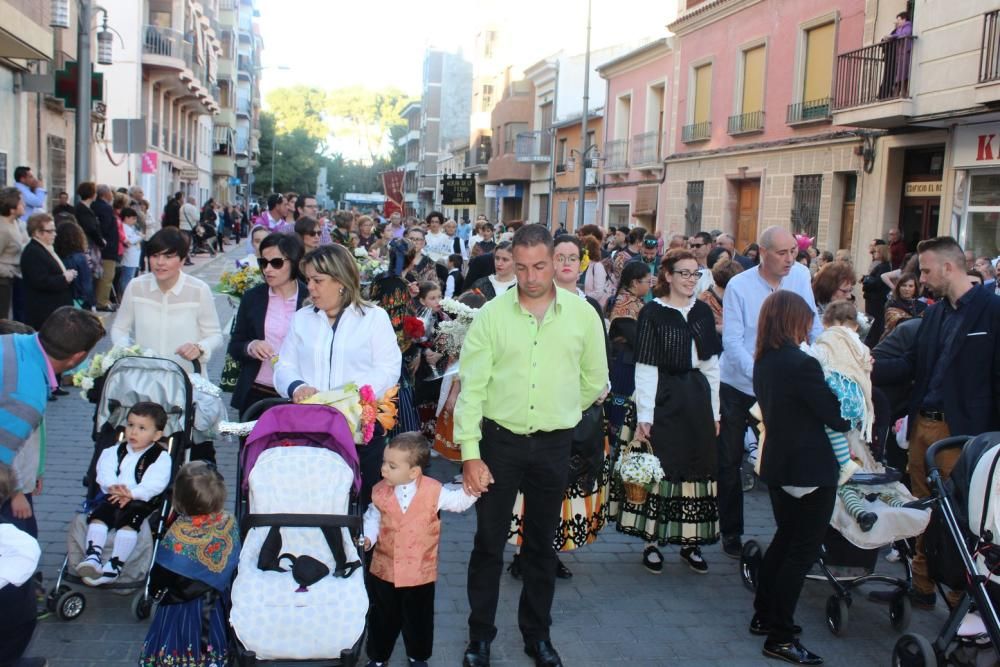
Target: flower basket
638	468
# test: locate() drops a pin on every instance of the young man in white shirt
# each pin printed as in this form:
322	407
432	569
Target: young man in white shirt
439	244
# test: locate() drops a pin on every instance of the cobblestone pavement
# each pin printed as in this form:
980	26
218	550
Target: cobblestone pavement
611	612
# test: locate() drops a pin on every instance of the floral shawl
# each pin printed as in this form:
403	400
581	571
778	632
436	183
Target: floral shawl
205	548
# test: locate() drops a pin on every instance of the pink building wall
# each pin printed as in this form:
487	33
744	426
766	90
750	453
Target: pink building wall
636	81
779	22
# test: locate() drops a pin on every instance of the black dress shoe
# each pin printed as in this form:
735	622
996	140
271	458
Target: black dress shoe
653	565
515	567
792	652
544	653
761	629
59	391
732	547
562	571
477	654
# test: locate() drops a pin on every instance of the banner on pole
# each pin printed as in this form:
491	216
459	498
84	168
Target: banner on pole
392	184
150	160
458	190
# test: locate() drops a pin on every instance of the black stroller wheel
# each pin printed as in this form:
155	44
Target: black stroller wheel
836	615
142	606
900	611
52	599
750	559
913	650
70	605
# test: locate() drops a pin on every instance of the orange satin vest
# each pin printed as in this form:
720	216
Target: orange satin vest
406	552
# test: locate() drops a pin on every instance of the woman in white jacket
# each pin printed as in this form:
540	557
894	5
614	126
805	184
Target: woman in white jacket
337	339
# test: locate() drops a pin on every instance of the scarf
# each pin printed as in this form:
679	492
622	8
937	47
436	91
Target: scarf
840	350
52	251
204	548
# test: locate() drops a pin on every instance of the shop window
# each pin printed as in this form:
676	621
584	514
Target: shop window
982	222
805	204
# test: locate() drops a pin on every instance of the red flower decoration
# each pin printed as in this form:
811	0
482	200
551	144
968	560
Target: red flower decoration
413	327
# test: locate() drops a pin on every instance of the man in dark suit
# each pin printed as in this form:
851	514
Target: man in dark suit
172	211
109	251
87	192
955	368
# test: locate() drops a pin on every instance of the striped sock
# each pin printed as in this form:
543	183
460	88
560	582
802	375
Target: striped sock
840	447
852	501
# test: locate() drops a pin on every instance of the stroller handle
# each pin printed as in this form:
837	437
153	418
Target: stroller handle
196	364
930	458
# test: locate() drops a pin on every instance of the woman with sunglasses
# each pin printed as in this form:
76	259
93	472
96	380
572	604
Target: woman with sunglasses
308	230
264	316
677	404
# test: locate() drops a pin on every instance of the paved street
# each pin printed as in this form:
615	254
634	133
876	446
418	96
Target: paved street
611	612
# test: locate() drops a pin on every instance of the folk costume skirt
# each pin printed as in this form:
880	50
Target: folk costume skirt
681	509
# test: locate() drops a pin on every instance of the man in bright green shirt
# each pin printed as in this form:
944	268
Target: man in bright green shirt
532	361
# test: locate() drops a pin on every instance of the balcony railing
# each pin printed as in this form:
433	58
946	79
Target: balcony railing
163	42
989	54
533	147
479	156
227	5
696	132
746	123
875	73
808	112
646	149
616	155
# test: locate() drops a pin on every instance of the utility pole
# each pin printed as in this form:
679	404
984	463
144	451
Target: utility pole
83	101
585	137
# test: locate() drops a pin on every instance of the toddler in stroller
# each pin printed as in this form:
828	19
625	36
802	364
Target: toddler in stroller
132	476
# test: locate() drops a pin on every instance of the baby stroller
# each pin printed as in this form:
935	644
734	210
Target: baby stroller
128	381
849	554
299	592
962	554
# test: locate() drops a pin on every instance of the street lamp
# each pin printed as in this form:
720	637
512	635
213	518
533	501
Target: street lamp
584	135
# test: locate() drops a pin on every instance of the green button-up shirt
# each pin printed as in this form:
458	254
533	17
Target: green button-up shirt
528	376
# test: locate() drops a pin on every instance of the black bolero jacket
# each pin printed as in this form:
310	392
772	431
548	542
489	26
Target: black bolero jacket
249	326
796	404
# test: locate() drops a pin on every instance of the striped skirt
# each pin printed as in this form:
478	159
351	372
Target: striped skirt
684	513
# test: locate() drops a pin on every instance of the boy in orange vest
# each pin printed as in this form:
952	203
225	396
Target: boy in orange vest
403	525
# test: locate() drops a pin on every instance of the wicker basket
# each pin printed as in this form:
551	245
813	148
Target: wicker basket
635	494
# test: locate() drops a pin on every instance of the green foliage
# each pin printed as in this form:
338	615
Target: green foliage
303	121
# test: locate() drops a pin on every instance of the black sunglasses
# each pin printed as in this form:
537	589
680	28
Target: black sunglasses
650	244
275	263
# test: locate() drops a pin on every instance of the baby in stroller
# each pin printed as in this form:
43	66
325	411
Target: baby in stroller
132	476
847	365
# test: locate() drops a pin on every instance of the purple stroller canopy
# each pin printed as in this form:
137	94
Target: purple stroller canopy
301	425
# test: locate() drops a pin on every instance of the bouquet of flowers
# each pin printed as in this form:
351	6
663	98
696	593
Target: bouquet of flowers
86	378
451	333
638	468
414	329
236	283
369	267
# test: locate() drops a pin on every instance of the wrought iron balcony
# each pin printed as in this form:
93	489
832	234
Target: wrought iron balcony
478	156
616	155
809	112
989	54
165	42
872	74
646	150
746	123
533	147
696	132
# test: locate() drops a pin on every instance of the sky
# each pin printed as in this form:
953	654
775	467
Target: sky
377	43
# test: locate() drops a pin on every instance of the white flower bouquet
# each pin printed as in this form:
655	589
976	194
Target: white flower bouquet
638	468
101	363
368	267
451	333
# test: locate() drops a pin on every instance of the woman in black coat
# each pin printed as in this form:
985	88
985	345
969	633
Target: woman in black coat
263	318
797	464
48	284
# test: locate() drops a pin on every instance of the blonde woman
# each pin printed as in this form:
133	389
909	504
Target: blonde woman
336	339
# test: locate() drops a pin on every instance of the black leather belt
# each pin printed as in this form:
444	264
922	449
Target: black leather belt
933	415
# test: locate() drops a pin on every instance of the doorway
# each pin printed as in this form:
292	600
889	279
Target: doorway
747	210
918	220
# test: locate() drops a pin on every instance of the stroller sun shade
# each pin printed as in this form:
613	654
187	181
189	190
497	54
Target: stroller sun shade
134	379
311	425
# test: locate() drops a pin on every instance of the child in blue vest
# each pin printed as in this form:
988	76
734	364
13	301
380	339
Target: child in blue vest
131	476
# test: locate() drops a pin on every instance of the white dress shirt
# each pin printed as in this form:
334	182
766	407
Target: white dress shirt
154	480
363	351
19	555
453	498
647	377
163	321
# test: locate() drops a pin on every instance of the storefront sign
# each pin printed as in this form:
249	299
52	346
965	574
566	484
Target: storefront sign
923	189
977	145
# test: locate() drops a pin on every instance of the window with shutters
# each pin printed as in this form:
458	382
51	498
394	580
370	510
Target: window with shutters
752	99
645	199
806	192
618	215
563	210
818	76
702	94
692	212
543	210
